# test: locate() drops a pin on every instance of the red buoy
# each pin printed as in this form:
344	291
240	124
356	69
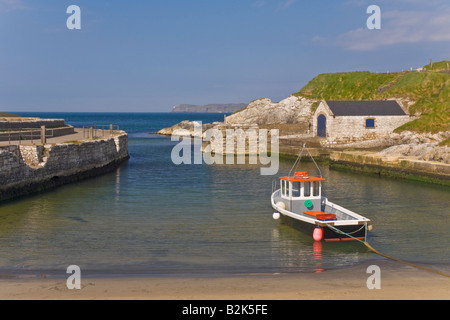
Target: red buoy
318	234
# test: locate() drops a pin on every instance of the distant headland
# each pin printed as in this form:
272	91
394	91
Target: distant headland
210	108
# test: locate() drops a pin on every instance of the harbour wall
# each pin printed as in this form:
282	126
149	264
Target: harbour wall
29	169
30	123
35	134
412	169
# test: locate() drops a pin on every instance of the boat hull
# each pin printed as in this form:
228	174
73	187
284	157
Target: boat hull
329	235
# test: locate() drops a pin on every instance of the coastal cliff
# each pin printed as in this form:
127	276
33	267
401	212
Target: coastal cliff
209	108
29	169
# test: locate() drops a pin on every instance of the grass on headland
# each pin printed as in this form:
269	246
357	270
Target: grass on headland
9	115
446	142
438	66
429	89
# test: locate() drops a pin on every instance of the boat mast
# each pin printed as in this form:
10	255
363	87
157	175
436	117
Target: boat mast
297	162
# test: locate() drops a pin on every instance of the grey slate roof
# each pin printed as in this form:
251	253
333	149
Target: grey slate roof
366	108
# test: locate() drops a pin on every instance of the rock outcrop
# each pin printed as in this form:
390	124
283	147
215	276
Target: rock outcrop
419	146
264	111
210	108
186	128
424	151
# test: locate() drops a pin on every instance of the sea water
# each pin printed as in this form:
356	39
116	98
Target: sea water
152	217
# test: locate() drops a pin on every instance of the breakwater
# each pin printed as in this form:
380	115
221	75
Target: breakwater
30	123
398	167
29	169
376	163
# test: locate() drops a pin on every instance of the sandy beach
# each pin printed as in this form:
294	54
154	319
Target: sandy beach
398	281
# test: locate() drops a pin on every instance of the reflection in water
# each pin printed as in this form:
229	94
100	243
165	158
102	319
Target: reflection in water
297	252
117	198
153	217
317	247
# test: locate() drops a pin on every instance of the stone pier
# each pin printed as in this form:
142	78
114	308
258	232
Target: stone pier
25	169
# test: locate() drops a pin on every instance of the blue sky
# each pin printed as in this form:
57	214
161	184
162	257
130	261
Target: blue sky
149	55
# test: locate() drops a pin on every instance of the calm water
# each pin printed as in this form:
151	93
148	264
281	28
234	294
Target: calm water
151	217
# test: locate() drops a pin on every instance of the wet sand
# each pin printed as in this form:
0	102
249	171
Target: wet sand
397	282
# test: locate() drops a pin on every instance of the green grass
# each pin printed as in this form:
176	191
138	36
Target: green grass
347	85
446	142
438	66
8	115
430	90
73	142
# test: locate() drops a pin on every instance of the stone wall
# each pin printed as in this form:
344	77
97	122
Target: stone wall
26	169
347	129
35	134
380	162
353	127
30	123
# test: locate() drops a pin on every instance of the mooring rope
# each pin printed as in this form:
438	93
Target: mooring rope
389	257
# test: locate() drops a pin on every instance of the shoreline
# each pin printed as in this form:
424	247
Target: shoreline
365	160
398	282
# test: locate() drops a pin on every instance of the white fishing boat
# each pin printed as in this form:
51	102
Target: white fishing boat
299	202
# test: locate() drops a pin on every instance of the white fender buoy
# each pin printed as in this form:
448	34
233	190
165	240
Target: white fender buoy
276	215
281	205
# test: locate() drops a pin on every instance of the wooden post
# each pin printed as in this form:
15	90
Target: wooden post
43	137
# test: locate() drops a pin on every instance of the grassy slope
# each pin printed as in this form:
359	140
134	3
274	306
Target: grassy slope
8	115
430	90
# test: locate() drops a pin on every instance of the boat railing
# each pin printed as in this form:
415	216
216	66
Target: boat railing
274	185
276	195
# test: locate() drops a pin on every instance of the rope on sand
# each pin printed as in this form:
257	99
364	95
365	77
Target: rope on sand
389	257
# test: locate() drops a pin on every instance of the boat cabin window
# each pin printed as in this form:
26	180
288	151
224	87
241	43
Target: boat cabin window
296	189
316	188
285	185
307	189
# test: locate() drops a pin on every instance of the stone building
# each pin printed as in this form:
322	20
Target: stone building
348	121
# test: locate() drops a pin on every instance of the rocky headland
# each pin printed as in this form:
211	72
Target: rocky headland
209	108
426	138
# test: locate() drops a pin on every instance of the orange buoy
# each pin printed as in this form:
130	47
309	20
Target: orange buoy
318	234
